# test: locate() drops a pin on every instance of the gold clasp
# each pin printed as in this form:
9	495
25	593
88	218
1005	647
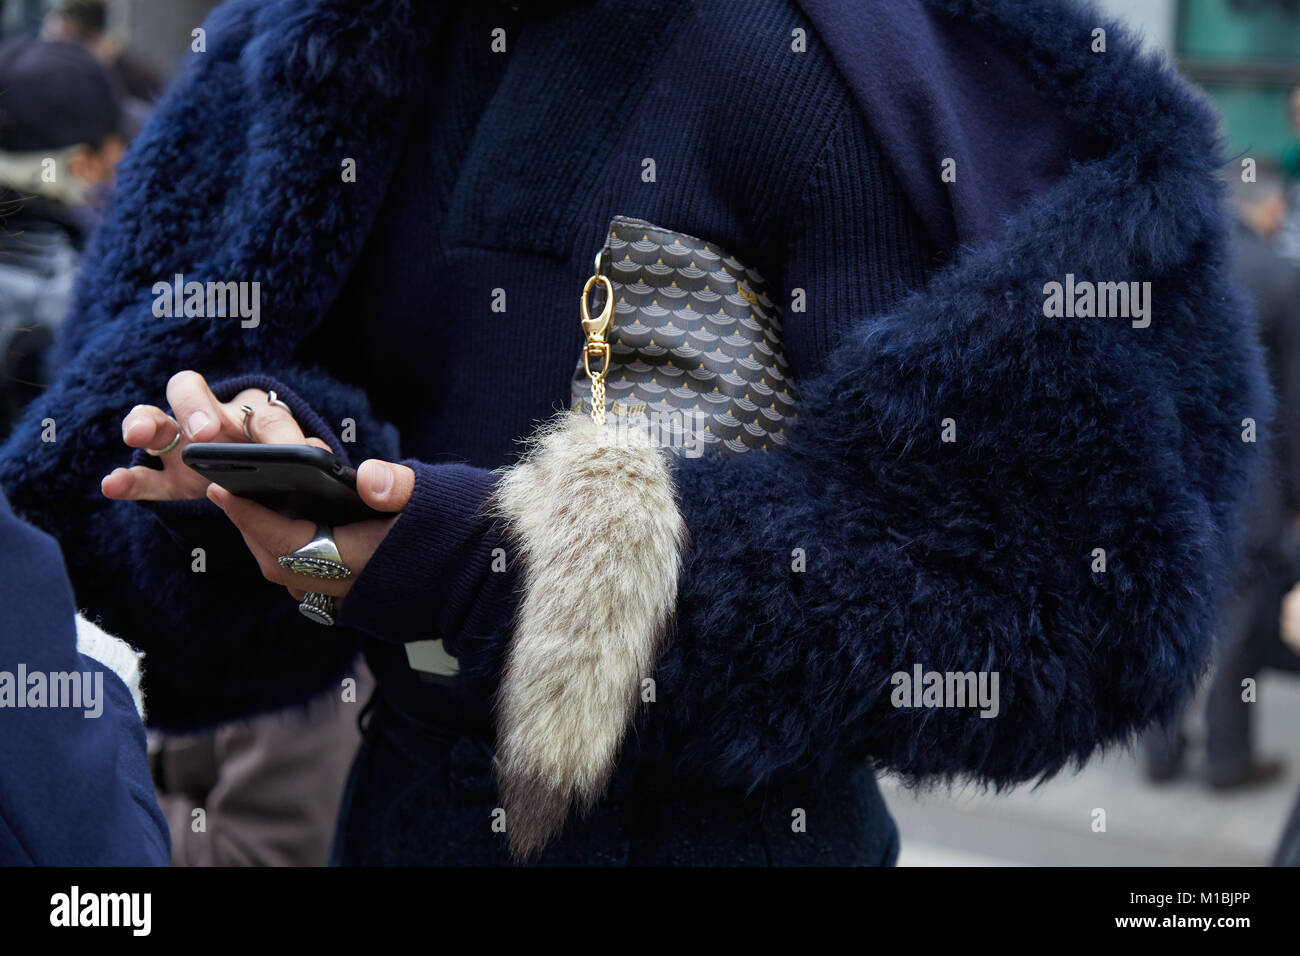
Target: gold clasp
596	329
597	345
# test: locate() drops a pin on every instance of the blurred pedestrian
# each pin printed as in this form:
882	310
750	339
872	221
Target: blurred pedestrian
1291	155
60	141
1250	619
1288	237
85	22
21	17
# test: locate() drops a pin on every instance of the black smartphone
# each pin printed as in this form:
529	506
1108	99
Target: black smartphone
298	481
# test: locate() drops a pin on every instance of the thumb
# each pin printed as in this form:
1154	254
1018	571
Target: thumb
384	485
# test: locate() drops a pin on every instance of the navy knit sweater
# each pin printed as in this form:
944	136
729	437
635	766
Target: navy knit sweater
481	171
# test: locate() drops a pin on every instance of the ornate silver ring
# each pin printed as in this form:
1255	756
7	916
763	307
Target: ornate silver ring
318	558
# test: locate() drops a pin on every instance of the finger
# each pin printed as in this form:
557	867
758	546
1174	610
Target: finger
319	443
272	532
148	426
196	408
137	484
269	424
268	536
269	565
385	485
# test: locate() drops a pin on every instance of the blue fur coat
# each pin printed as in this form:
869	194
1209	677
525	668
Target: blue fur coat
922	170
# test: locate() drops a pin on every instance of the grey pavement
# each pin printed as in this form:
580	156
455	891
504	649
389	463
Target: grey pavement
1179	824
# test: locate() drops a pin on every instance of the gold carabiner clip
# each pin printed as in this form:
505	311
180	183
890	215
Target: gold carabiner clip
596	329
597	345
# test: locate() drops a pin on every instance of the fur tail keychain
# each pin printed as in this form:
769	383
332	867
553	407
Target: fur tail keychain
591	511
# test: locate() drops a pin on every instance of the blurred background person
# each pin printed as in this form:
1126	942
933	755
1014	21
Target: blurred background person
61	137
19	17
85	22
1291	155
1288	238
1250	629
1288	848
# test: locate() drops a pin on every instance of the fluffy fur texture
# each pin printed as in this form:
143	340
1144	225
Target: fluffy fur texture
592	513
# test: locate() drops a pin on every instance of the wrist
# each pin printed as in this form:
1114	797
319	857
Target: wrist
423	581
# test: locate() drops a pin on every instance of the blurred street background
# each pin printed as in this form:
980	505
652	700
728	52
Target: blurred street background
156	30
1182	823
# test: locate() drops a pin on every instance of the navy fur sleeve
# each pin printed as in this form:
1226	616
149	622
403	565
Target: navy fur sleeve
1071	434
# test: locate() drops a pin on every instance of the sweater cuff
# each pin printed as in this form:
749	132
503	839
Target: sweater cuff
424	579
308	419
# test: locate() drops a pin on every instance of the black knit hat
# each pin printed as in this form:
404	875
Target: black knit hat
54	95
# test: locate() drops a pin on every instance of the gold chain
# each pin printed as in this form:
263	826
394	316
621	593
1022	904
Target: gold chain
597	344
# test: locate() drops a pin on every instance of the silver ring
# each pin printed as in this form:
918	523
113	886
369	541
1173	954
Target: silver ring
157	452
318	558
248	422
318	608
272	400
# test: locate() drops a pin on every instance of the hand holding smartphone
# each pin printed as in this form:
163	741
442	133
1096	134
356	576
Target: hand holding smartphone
298	481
